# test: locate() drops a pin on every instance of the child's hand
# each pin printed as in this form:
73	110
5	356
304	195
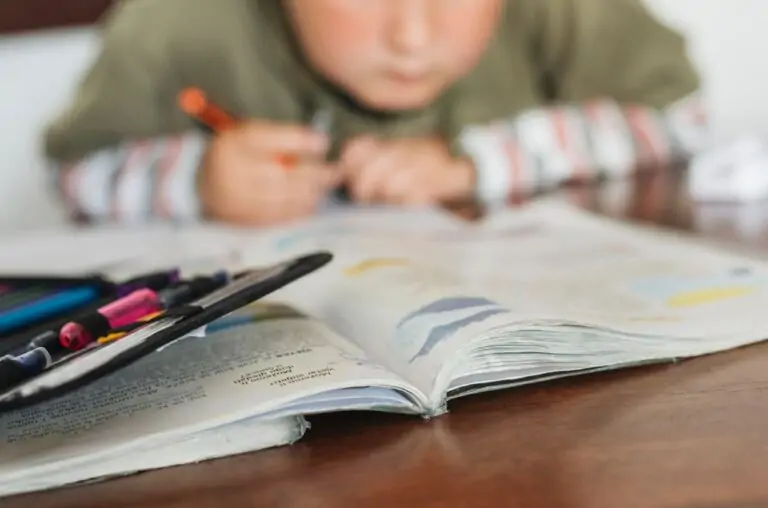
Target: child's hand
418	171
242	182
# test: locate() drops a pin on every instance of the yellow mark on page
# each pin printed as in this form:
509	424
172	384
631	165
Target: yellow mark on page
694	298
373	264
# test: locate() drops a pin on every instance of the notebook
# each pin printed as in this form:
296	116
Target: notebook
415	310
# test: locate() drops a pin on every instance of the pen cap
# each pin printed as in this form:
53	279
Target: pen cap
131	308
76	335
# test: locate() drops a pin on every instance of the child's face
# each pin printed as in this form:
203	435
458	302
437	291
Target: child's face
394	55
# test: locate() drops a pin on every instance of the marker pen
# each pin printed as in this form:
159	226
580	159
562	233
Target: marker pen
22	308
120	333
78	334
53	282
178	294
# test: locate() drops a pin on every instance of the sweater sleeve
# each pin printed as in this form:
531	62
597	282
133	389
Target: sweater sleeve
119	151
134	182
623	96
547	147
122	150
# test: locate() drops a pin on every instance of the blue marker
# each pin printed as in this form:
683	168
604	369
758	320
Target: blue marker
40	309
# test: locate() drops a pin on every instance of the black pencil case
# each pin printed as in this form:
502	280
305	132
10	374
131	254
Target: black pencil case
93	364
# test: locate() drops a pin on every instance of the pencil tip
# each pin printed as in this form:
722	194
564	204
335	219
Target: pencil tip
192	100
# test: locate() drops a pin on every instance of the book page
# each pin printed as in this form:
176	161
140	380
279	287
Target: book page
245	436
233	373
418	303
383	292
358	236
415	317
555	263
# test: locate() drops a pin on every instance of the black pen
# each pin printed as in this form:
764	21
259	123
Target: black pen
190	290
48	340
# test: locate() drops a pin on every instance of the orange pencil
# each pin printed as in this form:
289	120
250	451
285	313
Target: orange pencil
194	103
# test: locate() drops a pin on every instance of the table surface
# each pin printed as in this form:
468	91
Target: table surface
686	435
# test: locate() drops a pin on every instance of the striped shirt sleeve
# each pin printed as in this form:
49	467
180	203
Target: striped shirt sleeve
136	182
548	147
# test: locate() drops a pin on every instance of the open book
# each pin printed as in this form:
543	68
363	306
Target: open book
414	311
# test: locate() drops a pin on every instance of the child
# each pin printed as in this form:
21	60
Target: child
432	102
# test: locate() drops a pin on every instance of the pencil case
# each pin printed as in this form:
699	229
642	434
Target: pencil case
29	303
90	365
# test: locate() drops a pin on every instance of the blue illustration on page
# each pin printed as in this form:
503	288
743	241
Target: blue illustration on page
445	317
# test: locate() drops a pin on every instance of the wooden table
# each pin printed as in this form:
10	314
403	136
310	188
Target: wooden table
689	435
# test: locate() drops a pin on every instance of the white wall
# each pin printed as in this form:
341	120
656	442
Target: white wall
729	40
37	74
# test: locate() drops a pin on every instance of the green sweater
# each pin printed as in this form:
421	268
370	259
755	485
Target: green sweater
242	53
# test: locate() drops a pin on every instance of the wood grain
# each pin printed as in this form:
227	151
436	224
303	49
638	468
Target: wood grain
25	15
684	435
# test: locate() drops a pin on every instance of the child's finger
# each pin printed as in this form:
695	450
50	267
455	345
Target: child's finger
326	176
333	177
398	187
281	138
358	152
370	183
310	182
266	170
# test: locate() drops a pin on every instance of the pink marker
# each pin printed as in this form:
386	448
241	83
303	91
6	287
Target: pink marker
76	335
